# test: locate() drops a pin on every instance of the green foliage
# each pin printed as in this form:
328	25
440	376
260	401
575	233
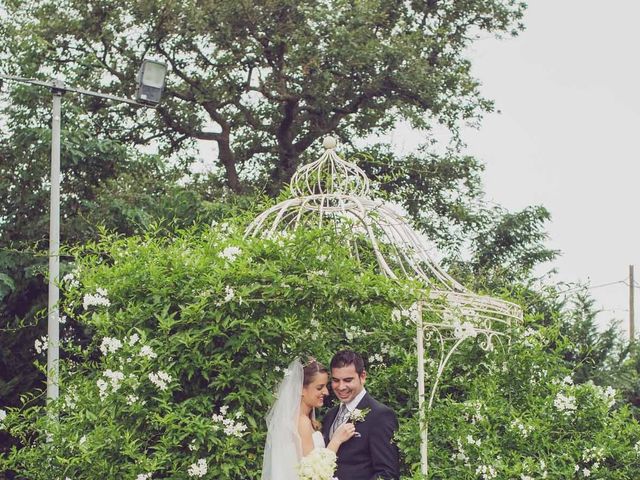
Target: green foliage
189	334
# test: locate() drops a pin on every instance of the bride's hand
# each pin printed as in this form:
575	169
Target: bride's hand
344	432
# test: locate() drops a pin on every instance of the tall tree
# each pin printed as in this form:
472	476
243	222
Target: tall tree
264	79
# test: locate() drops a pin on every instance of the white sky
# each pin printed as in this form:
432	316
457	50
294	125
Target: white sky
568	89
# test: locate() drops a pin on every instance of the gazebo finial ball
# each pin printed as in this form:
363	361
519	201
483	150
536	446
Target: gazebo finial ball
329	142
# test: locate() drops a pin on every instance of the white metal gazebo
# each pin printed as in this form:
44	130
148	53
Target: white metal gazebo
332	190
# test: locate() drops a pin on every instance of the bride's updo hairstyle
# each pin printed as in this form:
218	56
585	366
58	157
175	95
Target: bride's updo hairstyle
311	369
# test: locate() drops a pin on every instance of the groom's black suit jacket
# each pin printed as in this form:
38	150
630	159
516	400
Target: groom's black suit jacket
372	455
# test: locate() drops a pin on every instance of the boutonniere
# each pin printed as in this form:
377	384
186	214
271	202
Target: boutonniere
358	415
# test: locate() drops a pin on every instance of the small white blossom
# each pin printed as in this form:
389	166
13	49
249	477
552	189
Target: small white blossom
376	357
192	445
110	345
636	447
160	379
3	416
565	403
230	253
586	472
198	469
523	429
131	399
115	377
486	472
70	278
230	426
472	441
147	352
100	298
133	339
41	344
144	476
464	330
102	388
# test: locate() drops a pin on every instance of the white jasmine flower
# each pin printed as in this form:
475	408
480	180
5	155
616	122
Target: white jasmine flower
198	469
70	278
102	388
160	379
110	345
524	430
376	357
41	344
147	352
100	298
133	339
565	403
230	253
115	377
131	399
464	330
224	409
472	441
586	472
229	294
486	471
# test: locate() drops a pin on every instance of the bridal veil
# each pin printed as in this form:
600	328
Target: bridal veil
283	449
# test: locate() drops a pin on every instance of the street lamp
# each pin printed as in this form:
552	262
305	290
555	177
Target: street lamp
151	81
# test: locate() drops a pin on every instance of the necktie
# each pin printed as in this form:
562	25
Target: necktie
341	417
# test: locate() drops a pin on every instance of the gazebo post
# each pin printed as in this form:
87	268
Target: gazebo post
424	461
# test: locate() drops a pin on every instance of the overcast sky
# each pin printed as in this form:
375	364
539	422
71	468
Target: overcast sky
568	89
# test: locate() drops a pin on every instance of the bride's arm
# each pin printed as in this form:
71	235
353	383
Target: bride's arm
343	433
305	430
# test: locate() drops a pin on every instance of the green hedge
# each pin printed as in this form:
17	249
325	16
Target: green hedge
190	335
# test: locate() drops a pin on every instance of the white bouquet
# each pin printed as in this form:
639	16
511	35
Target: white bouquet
318	465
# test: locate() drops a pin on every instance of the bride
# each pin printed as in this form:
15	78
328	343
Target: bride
292	431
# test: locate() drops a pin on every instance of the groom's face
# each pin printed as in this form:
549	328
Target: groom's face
346	382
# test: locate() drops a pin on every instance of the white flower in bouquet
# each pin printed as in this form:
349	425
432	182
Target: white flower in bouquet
318	465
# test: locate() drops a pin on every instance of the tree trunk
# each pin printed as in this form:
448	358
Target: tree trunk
227	158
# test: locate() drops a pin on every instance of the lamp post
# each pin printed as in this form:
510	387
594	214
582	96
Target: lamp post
151	82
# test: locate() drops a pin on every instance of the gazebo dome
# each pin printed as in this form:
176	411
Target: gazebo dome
331	189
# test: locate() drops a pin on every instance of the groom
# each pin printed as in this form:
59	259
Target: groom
370	454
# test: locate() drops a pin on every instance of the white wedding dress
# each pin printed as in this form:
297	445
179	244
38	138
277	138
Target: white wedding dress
318	440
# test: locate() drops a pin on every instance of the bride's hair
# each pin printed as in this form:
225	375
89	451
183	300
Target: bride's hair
310	370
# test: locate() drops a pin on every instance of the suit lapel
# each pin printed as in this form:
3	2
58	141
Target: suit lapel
365	402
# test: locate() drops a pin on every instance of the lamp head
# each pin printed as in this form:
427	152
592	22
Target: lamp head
151	81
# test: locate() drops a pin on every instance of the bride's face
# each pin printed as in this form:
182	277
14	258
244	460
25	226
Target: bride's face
314	393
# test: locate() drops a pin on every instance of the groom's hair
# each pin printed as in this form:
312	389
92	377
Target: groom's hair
345	358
